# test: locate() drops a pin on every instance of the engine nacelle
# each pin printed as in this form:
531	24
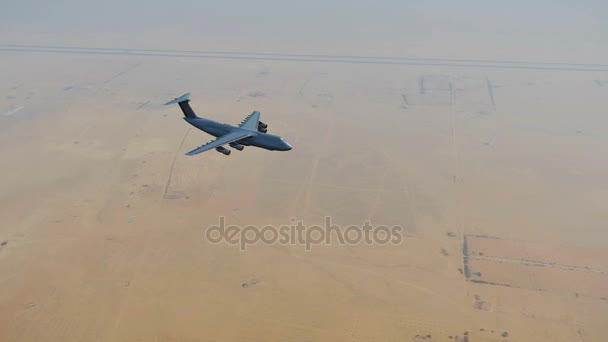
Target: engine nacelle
262	127
222	149
237	146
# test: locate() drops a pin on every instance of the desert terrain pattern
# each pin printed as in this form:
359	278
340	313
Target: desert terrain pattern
490	152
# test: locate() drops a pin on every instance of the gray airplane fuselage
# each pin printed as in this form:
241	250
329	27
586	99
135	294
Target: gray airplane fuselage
263	140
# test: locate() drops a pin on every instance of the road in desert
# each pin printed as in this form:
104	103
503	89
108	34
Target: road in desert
489	152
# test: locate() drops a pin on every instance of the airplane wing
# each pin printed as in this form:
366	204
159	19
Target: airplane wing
251	121
224	139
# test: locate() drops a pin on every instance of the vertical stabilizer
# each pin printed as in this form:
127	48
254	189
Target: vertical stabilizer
183	102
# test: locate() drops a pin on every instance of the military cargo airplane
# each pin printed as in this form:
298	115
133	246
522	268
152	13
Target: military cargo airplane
250	132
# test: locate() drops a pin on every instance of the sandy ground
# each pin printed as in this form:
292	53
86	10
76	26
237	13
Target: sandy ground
497	174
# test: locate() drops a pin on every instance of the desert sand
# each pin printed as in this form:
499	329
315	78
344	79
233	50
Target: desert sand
496	168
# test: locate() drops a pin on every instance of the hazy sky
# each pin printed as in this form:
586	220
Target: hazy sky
315	24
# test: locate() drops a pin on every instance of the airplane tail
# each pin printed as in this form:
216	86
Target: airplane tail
182	101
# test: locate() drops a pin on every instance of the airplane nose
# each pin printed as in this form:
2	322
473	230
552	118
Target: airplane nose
287	146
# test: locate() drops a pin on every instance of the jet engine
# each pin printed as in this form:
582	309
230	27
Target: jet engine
262	127
222	149
237	146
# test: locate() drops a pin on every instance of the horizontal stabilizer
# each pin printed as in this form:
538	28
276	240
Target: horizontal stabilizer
183	98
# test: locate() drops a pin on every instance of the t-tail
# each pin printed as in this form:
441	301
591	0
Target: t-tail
182	101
